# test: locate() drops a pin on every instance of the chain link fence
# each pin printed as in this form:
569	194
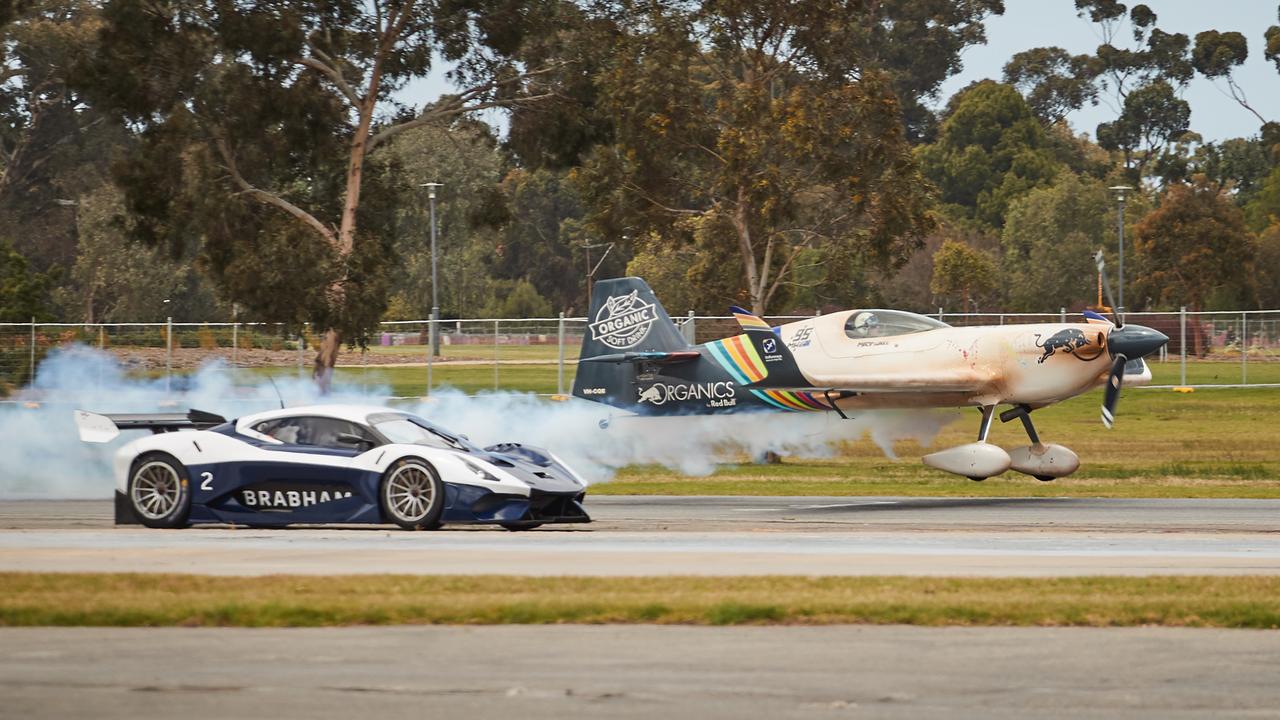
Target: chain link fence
540	354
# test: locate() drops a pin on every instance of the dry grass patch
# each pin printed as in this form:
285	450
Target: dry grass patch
292	601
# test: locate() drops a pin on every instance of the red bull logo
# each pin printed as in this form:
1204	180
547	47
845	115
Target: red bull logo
1070	341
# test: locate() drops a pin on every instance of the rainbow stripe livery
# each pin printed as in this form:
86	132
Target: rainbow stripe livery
739	358
792	401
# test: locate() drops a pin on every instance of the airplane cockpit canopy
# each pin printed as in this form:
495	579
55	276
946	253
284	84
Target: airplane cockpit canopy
886	323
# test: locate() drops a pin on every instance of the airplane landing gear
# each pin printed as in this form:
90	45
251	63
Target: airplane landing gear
977	460
981	460
1041	461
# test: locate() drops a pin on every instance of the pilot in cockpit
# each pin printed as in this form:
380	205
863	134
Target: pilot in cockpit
866	324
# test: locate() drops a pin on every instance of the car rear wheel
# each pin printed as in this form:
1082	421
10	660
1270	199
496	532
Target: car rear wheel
412	495
160	491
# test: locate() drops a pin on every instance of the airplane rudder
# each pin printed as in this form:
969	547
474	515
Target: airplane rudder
779	364
626	316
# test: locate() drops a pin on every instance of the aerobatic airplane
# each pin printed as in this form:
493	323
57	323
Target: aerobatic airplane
634	358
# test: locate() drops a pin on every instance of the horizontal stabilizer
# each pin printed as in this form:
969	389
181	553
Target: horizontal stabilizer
101	428
749	321
661	358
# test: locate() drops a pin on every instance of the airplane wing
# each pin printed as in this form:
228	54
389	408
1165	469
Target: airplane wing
660	358
867	386
827	396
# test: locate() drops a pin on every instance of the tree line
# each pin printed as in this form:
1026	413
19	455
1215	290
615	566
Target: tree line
265	160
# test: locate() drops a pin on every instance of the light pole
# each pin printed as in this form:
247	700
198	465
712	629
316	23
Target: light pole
591	271
168	347
435	285
1120	190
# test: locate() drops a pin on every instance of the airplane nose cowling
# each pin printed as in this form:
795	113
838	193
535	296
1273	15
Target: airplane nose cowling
1135	341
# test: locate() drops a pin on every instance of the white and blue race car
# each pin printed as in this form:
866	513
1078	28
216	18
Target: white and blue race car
328	464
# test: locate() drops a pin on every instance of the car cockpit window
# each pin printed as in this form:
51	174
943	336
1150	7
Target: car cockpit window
887	323
313	431
412	430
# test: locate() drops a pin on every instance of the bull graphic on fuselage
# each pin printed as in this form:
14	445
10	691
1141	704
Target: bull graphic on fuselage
651	394
1069	341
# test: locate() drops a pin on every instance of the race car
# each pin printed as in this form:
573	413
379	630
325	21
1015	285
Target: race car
328	464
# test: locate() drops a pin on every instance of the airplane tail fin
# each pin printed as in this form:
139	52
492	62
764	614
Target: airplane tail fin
626	325
775	359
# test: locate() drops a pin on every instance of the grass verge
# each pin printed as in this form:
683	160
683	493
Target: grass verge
144	600
1208	444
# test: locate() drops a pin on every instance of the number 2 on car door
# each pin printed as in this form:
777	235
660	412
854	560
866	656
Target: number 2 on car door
206	481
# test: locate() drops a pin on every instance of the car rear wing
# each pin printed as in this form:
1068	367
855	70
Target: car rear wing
101	428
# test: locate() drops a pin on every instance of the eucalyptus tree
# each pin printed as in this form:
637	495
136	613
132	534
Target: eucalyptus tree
1054	82
54	146
758	127
261	123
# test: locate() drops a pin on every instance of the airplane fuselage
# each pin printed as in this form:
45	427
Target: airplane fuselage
950	366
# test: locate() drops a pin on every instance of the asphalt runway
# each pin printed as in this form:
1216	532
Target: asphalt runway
655	671
697	536
638	672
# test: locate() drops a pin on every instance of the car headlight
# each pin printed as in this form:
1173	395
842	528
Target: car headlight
479	471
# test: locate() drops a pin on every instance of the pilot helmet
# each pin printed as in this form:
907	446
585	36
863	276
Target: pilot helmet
866	323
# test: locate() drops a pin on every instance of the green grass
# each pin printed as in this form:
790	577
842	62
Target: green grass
1210	443
1206	372
293	601
542	353
412	381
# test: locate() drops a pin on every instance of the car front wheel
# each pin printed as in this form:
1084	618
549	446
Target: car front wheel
412	495
159	491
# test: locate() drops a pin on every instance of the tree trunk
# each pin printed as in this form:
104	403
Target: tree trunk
741	228
355	171
327	356
326	359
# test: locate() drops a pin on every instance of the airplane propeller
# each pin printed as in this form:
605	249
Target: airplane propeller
1124	343
1112	395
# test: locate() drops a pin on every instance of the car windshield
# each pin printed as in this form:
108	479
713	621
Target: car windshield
413	430
886	323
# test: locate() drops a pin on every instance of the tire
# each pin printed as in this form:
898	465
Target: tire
412	495
159	491
517	526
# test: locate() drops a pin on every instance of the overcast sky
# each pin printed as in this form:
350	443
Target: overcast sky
1039	23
